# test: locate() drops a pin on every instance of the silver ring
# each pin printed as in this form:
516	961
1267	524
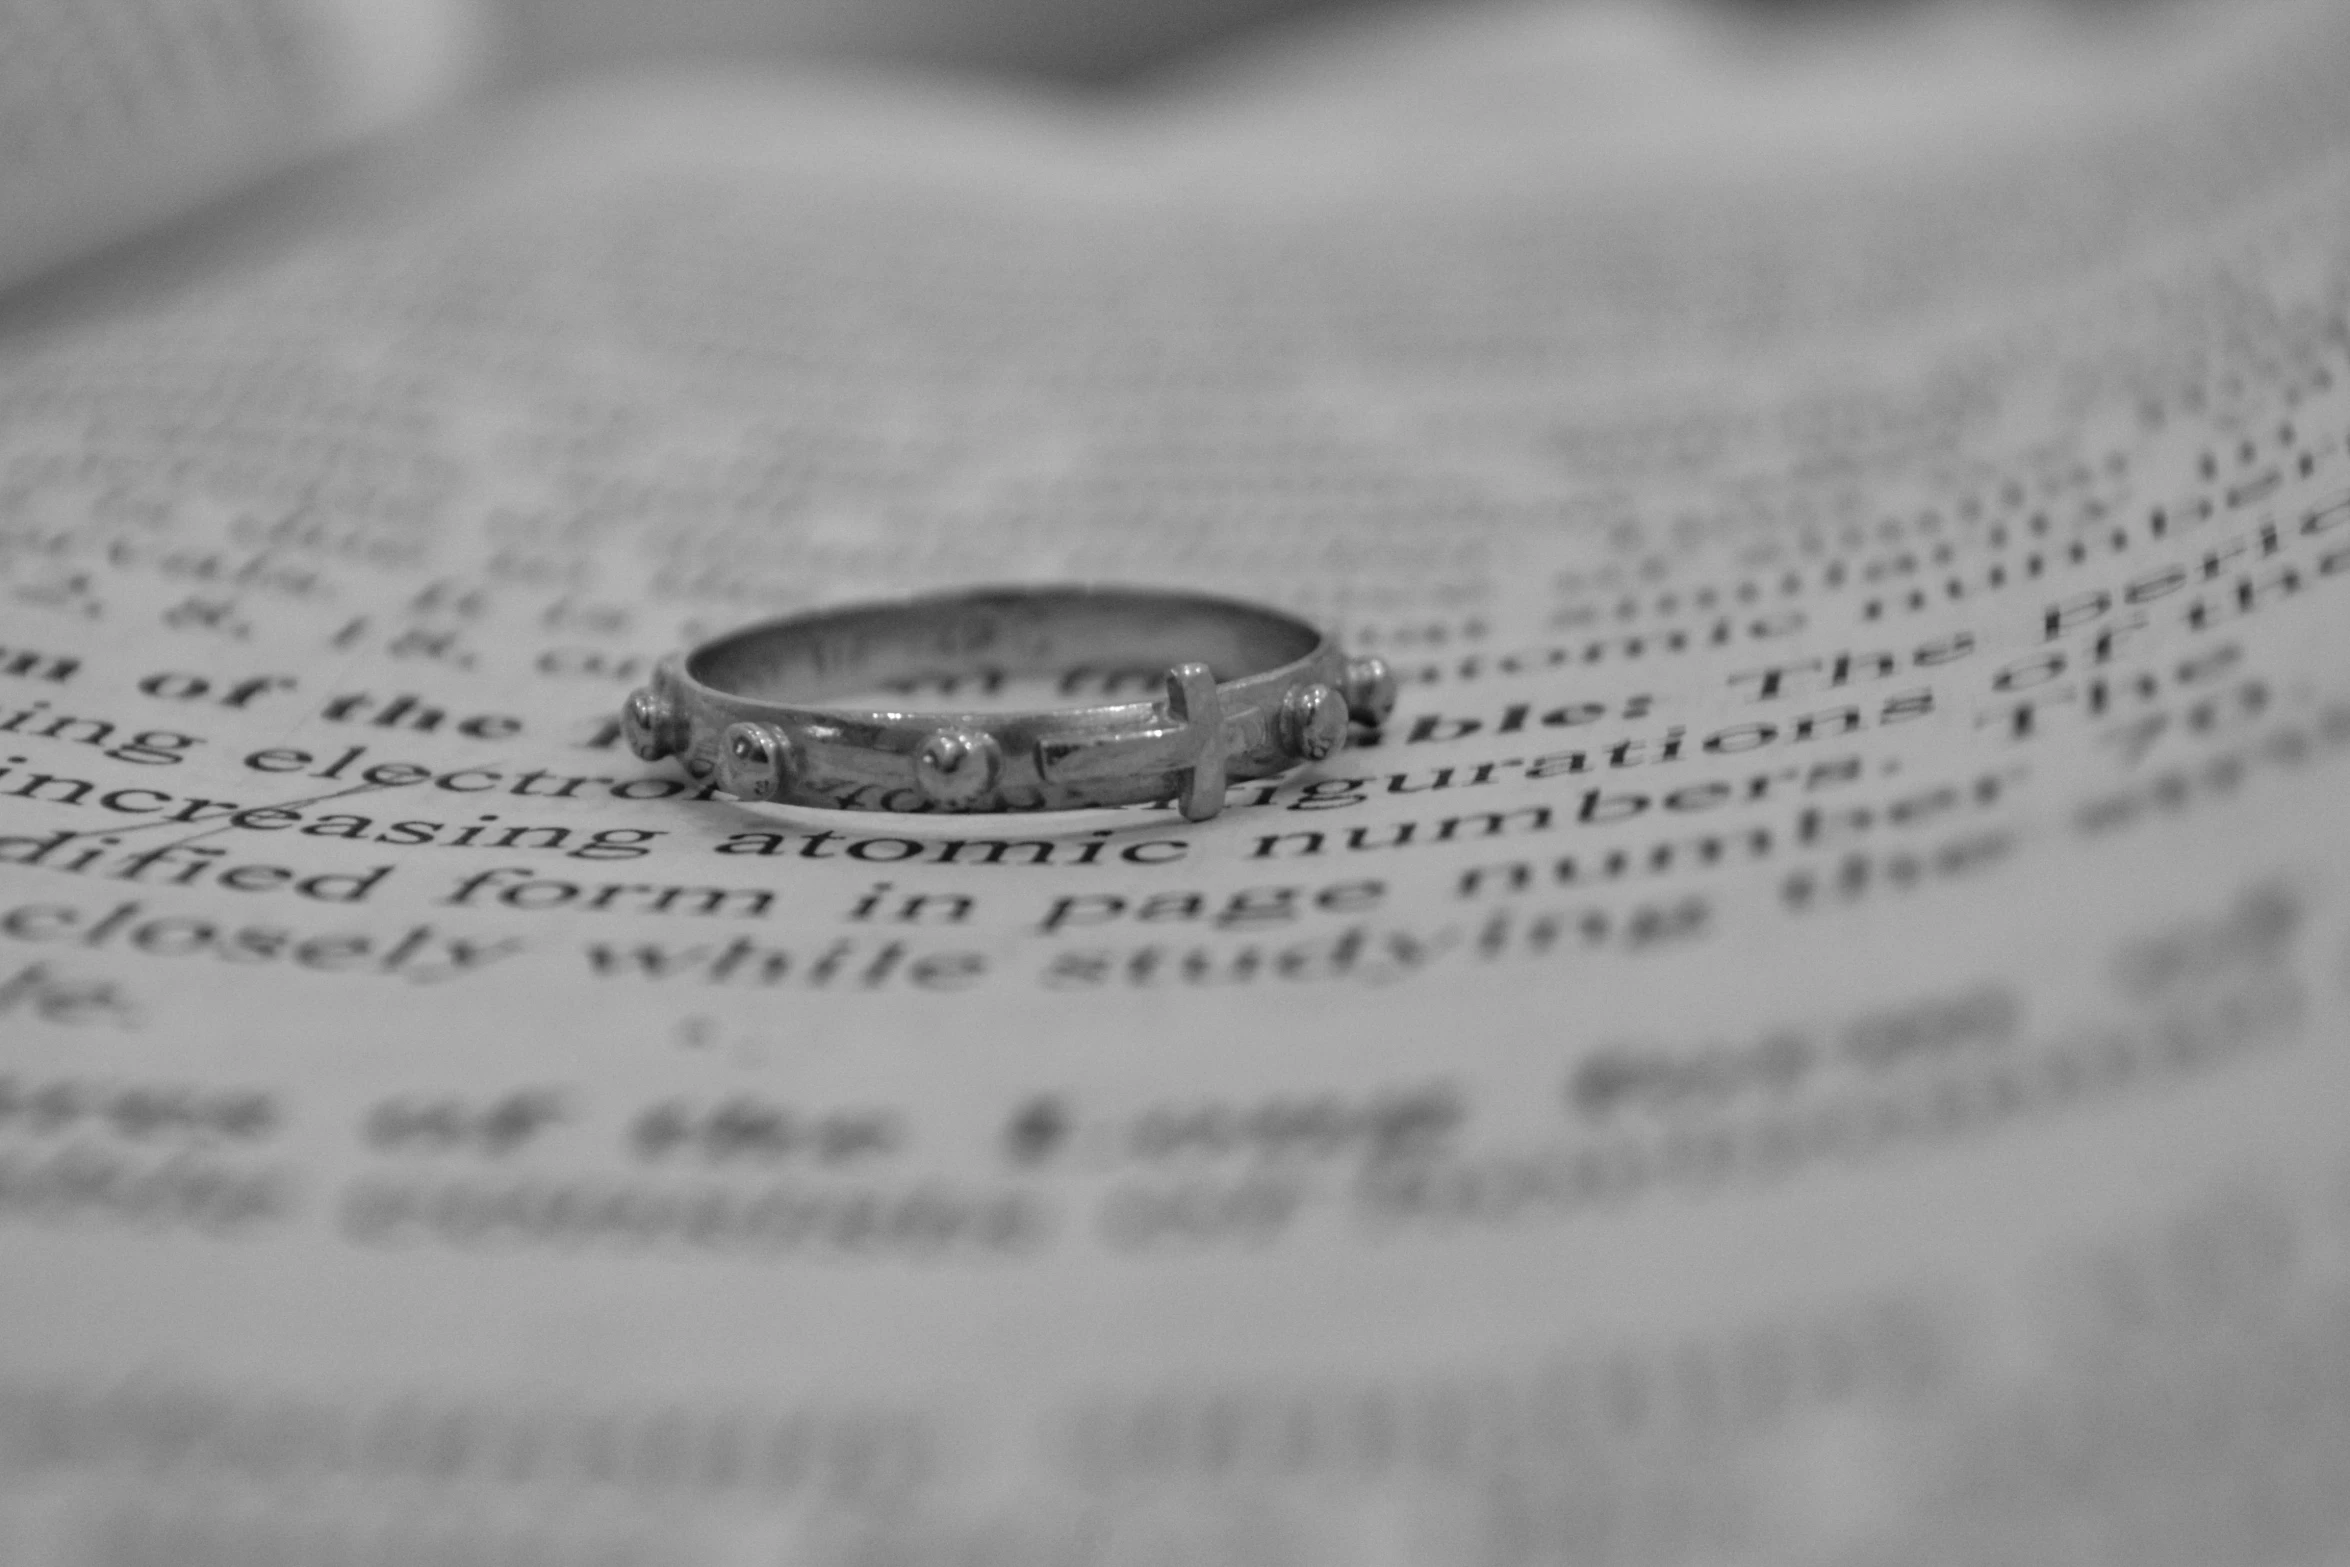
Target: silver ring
1248	692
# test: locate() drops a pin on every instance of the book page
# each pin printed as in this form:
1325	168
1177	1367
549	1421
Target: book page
116	115
1812	1037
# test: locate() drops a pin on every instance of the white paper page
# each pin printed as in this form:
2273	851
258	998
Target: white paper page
119	114
1814	1038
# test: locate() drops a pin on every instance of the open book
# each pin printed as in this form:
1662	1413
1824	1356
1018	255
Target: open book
1815	1036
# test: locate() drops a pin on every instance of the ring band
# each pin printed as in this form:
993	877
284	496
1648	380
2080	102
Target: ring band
1249	692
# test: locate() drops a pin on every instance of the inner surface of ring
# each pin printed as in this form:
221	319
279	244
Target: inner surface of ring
1016	632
